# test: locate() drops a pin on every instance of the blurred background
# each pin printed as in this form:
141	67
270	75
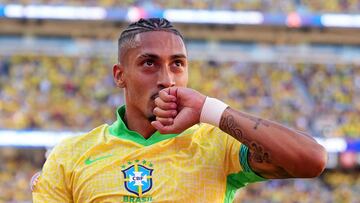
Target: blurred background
294	61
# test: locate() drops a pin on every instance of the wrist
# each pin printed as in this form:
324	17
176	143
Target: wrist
212	111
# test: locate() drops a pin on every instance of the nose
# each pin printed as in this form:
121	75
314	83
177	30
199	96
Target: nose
166	79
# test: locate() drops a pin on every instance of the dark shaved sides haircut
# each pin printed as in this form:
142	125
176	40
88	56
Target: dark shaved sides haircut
126	39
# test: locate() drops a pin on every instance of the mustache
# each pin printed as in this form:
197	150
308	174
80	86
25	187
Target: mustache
154	96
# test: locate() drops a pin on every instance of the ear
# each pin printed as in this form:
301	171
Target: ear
118	73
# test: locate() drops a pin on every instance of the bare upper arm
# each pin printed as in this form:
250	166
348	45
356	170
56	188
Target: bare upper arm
265	169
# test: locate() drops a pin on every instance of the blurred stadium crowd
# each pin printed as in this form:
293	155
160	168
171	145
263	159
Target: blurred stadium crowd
56	93
16	169
339	6
330	187
76	93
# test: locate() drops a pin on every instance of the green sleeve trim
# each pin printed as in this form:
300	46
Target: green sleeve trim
235	181
243	156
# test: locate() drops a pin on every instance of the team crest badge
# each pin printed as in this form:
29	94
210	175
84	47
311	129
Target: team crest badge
138	177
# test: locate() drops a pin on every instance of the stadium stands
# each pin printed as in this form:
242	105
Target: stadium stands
14	183
335	89
331	187
76	93
337	6
56	93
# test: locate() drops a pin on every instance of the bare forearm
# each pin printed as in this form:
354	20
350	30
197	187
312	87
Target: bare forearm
275	151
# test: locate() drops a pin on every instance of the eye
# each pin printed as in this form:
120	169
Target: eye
178	63
148	63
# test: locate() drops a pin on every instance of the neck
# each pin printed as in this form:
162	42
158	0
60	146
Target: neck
138	123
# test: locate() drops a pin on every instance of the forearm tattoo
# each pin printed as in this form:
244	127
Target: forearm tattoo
229	125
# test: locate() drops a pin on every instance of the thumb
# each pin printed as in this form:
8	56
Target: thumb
168	129
182	121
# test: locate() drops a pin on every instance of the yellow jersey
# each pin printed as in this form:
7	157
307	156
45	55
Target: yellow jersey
115	164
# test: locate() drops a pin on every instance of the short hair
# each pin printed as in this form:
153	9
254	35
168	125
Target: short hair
144	25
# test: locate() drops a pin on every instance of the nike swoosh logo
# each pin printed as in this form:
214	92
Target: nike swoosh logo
89	161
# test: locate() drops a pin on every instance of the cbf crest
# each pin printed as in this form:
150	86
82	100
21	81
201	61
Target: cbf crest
138	177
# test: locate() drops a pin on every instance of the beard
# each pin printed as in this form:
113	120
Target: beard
151	118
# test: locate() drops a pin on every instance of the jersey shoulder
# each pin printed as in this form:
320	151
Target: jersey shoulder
73	147
209	131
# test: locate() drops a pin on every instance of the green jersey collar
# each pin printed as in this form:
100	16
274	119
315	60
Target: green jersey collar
120	130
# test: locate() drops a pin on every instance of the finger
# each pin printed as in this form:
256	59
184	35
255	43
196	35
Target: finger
172	91
165	121
158	112
169	129
165	96
158	125
34	180
165	105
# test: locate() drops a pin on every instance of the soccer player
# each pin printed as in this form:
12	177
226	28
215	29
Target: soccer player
171	143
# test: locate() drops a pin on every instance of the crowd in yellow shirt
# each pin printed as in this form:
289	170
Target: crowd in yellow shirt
76	93
335	89
73	93
16	169
57	93
331	187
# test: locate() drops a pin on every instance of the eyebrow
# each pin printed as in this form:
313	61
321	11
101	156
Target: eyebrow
154	56
147	55
177	56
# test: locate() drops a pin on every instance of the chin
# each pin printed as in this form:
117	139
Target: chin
150	115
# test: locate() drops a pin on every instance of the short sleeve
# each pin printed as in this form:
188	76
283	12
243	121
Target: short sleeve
239	174
51	185
237	168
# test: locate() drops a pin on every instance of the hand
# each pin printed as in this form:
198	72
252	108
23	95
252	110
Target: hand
34	180
177	109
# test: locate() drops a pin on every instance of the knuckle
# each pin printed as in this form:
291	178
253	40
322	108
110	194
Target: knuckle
171	113
162	93
170	105
157	100
168	121
156	111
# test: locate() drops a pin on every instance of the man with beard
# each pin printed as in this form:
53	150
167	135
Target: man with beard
171	143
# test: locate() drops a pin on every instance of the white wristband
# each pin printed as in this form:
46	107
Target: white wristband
212	110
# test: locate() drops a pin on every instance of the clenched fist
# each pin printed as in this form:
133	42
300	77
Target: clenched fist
177	108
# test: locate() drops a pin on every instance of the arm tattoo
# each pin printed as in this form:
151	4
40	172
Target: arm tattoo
258	121
229	125
258	154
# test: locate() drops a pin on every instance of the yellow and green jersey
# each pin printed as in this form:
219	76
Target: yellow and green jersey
115	164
